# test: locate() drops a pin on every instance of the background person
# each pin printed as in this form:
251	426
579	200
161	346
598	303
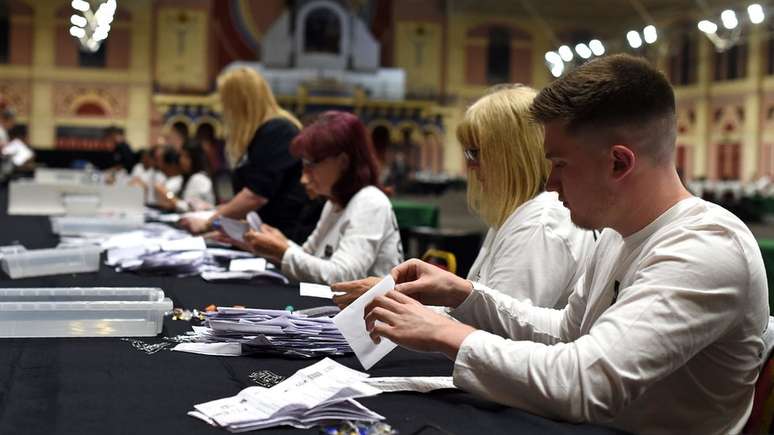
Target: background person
532	250
665	332
195	191
266	176
357	233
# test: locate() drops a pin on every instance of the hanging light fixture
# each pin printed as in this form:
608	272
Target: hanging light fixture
92	27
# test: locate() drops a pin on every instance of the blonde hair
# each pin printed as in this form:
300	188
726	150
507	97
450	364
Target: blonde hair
510	152
247	103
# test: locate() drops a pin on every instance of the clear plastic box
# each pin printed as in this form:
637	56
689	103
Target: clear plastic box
81	205
82	312
75	225
39	262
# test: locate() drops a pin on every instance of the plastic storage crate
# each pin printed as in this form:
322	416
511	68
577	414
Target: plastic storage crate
39	262
82	312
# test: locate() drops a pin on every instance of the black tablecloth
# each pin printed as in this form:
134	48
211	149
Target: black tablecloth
104	385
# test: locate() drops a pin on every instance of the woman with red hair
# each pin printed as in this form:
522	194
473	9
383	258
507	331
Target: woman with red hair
357	234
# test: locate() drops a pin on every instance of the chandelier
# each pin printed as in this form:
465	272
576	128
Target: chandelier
90	25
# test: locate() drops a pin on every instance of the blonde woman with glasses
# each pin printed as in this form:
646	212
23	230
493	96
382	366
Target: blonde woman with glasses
532	250
266	177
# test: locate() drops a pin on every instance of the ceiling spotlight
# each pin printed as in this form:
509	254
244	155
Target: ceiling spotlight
728	17
557	69
649	34
755	11
583	50
707	26
596	47
78	20
80	5
77	32
566	53
553	57
634	39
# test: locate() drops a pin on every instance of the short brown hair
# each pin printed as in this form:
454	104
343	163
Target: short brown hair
621	96
608	93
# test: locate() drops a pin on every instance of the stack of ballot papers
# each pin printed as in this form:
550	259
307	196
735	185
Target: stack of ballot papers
240	331
320	393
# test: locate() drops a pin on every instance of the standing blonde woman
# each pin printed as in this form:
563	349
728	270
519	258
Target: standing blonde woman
532	250
266	177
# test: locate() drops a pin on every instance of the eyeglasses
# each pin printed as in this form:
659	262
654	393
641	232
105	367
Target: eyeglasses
471	154
310	164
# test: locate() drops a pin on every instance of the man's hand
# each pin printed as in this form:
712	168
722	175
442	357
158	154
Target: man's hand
352	290
414	326
430	284
194	225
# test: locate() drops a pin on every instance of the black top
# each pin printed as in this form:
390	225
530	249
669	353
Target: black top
268	170
124	156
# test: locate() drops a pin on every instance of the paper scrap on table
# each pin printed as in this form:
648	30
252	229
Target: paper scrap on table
247	265
234	228
170	218
351	323
217	349
315	290
230	275
117	255
419	384
254	220
321	392
186	244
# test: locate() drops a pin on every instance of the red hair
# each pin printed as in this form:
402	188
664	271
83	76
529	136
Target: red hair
334	133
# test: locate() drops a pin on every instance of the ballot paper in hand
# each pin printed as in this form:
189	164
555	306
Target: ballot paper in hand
323	391
352	326
234	228
254	220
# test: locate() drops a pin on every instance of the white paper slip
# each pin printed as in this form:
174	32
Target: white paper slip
117	255
217	349
169	217
234	228
315	290
419	384
351	323
203	214
186	244
254	220
247	265
230	275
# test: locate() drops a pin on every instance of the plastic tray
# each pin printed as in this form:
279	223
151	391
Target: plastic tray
75	225
82	312
41	262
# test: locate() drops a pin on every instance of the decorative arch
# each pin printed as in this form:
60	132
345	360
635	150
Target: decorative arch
416	132
207	119
90	105
316	59
172	120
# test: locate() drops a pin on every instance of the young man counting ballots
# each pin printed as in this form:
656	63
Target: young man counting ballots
664	332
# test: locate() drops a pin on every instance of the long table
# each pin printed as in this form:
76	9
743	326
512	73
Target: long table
105	386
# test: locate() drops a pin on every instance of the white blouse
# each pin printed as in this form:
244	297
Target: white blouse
537	254
359	241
